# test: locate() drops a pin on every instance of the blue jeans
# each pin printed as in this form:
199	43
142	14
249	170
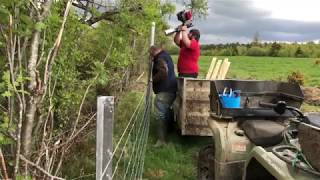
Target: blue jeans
163	102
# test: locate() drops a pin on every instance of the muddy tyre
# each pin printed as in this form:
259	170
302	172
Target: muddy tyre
206	163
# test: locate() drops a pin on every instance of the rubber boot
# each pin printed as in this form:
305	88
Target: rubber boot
162	133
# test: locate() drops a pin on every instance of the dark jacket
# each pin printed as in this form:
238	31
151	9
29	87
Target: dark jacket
163	76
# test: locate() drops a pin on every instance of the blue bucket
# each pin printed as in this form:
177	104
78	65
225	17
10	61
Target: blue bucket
231	100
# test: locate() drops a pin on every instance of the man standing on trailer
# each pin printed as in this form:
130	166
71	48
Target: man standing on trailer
164	86
189	51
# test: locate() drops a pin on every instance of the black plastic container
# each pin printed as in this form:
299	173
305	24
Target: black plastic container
252	93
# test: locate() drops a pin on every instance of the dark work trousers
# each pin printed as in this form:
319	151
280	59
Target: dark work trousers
163	104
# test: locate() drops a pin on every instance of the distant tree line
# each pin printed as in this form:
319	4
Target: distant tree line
275	49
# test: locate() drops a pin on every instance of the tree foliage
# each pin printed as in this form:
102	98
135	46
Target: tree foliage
54	62
199	8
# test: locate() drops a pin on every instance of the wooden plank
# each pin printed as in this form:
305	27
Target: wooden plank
198	97
216	70
225	71
223	64
199	83
183	110
223	68
213	63
198	86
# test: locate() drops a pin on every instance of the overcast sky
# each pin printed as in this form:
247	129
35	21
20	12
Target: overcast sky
274	20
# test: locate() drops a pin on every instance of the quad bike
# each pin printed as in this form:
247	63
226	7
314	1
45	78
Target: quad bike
266	137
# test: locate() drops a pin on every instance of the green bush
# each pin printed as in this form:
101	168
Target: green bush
257	51
284	53
317	62
296	77
207	53
242	51
225	52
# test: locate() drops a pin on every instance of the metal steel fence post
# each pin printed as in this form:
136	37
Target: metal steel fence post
105	109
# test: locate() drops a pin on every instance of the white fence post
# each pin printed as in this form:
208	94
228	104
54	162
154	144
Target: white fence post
153	31
104	149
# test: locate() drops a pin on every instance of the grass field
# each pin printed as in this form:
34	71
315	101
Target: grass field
178	160
266	68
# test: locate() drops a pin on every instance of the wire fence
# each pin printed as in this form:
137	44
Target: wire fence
127	158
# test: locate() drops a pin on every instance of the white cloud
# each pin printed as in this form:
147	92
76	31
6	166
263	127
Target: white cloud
275	20
209	38
306	10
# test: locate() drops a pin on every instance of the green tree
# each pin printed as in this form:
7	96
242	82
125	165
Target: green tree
199	7
274	50
256	39
52	66
242	51
256	51
299	52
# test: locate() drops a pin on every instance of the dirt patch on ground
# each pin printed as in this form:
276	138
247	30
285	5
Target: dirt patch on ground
312	95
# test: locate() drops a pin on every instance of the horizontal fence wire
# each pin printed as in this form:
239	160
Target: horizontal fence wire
129	153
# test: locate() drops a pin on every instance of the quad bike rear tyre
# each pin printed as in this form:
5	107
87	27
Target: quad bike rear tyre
206	163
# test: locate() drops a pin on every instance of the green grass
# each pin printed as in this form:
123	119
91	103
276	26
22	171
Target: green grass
310	108
177	160
266	68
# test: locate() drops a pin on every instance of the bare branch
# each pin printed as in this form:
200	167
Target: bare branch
80	109
3	166
42	49
54	50
108	15
11	48
84	176
85	14
35	8
60	162
104	16
79	5
20	54
40	168
81	129
3	108
46	7
18	150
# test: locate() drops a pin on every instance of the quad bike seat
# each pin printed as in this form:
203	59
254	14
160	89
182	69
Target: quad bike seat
263	133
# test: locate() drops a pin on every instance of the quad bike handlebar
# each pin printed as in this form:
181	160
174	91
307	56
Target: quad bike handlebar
281	106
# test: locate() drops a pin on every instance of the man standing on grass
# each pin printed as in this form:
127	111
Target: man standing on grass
164	86
189	51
